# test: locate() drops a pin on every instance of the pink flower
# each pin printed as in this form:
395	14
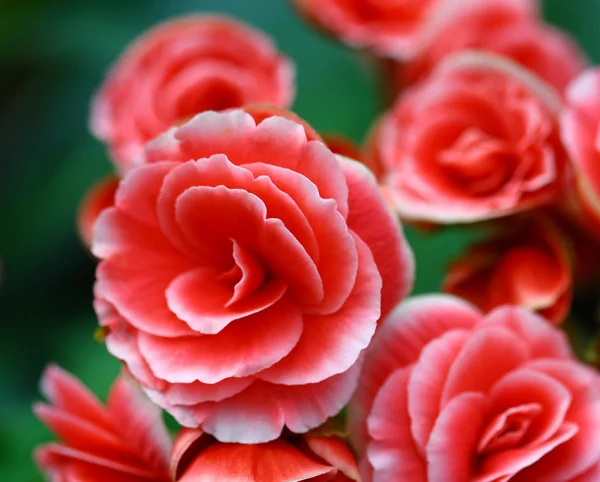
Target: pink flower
181	68
477	140
391	28
198	457
527	264
450	394
244	269
580	129
124	441
508	27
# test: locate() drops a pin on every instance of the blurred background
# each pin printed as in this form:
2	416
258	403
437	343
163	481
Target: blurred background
53	56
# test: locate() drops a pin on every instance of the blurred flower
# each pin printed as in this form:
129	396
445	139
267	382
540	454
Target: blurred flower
241	287
390	28
527	264
198	457
181	68
99	197
450	394
478	140
512	28
580	129
124	441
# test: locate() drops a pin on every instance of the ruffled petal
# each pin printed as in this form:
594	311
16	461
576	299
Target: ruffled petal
370	218
241	349
454	438
331	344
272	462
392	452
259	413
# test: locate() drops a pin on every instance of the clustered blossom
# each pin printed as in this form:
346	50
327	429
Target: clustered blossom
450	394
252	272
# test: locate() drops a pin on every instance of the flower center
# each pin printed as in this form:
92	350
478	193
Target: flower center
246	275
207	94
481	161
508	429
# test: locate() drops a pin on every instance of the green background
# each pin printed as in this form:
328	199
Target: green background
53	55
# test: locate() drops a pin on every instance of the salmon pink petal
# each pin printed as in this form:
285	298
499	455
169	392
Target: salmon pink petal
213	133
259	413
261	111
162	148
186	446
336	453
121	342
485	358
286	145
71	396
200	298
528	277
78	432
273	462
373	222
399	342
116	232
454	438
54	455
541	338
251	275
392	452
138	191
141	424
427	382
336	255
98	198
330	344
241	349
138	293
197	392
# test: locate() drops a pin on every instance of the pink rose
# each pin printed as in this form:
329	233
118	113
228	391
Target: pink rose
391	28
450	394
181	68
477	140
244	269
198	457
580	129
124	441
512	28
527	264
